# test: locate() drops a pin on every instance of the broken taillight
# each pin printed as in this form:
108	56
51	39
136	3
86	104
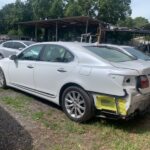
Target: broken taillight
143	82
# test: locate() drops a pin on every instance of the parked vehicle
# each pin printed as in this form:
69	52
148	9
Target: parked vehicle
13	47
85	80
132	51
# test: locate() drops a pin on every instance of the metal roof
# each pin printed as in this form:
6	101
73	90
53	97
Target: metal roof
78	21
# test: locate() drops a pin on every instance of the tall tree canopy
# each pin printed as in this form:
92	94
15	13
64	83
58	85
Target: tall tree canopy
110	11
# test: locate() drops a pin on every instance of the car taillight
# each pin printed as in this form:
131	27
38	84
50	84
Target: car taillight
143	82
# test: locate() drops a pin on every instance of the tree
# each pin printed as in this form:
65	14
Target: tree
57	9
128	22
112	11
140	22
73	8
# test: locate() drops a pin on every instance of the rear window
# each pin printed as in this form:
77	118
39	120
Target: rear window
110	54
135	52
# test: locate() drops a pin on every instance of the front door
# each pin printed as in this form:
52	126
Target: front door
21	71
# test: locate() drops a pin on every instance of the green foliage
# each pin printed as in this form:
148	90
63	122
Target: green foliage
140	22
128	22
112	11
134	23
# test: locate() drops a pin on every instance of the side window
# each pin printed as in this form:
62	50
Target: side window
18	45
54	53
31	53
8	45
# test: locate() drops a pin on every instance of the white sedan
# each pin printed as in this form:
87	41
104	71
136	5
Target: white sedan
12	47
85	80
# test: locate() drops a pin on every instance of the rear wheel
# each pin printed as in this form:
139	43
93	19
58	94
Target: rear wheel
77	104
2	79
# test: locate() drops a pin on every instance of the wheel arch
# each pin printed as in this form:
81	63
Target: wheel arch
66	86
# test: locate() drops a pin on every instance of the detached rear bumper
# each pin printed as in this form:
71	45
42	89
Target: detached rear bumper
121	108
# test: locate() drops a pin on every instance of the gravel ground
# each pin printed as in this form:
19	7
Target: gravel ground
12	135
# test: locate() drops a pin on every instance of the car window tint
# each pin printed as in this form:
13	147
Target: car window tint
110	54
54	53
18	45
137	53
31	53
8	45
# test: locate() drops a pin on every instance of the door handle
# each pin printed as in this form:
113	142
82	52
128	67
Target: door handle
61	70
30	67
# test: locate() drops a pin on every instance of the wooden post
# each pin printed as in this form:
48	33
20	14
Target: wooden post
56	31
18	31
86	29
36	36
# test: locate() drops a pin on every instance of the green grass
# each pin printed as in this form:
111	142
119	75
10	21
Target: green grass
17	102
95	135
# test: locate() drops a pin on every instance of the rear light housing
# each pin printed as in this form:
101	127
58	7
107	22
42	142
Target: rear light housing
142	82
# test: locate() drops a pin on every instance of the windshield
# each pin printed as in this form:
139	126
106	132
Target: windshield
28	42
110	54
138	54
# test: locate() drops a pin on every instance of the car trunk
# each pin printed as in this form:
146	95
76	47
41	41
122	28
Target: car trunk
141	66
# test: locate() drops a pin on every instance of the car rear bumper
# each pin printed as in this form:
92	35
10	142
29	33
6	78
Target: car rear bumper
124	108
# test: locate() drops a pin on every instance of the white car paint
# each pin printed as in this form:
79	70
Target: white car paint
6	52
91	72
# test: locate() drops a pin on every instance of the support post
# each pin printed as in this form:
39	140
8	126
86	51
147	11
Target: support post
36	36
86	29
56	31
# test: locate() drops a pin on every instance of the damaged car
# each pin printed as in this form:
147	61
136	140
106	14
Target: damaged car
84	79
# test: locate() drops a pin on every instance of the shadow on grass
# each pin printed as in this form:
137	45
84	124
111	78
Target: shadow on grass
139	124
12	135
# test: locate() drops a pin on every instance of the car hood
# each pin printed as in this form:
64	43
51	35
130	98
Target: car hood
143	67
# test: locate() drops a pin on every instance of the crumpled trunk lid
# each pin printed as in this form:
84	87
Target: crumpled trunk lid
143	68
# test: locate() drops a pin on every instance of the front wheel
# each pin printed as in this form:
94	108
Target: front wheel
2	79
77	104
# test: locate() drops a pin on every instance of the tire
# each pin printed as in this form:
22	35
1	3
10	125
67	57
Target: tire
2	79
1	56
77	104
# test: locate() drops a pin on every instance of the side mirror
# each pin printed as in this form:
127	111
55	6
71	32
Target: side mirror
13	57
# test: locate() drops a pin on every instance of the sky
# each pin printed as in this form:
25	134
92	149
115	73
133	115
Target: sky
139	7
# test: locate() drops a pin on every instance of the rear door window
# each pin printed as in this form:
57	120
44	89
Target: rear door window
55	53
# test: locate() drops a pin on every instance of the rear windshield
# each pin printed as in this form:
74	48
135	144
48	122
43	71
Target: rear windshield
110	54
28	43
135	52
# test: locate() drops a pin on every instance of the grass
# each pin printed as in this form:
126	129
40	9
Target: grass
94	135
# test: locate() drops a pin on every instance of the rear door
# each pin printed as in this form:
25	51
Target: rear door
55	66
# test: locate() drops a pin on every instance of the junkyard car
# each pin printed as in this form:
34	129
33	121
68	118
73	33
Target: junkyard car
13	47
85	80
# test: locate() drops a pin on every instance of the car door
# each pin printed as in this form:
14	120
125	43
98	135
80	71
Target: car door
55	66
21	70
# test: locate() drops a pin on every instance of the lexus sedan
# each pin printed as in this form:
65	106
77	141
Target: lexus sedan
85	80
13	47
132	51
